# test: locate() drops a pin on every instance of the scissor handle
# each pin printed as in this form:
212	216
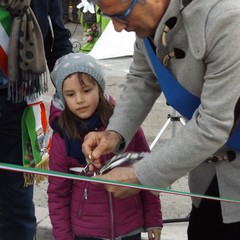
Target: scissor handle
86	168
120	160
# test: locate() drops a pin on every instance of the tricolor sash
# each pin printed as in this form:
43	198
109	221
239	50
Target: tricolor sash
5	28
36	138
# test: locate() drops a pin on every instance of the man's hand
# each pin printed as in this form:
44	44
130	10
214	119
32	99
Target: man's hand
97	143
121	174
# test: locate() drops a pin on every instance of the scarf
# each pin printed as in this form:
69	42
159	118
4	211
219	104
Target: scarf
74	147
26	55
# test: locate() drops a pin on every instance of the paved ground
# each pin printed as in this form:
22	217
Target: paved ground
175	208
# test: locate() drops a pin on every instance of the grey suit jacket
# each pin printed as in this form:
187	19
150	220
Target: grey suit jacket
208	33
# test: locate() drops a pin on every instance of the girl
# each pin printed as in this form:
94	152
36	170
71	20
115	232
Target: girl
78	209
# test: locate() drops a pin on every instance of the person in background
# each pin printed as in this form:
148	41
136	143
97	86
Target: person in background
74	13
55	35
17	214
197	43
80	210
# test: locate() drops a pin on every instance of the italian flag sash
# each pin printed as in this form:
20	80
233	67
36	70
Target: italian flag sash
5	28
36	134
36	138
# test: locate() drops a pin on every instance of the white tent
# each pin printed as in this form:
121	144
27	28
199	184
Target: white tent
113	44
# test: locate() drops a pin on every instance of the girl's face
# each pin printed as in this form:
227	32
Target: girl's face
81	99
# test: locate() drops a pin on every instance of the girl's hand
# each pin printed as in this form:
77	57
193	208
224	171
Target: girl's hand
154	234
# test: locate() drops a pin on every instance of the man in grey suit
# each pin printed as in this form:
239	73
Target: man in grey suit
198	43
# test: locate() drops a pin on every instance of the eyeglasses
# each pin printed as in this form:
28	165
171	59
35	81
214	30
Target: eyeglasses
122	16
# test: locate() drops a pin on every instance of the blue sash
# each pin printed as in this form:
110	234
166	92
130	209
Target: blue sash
180	98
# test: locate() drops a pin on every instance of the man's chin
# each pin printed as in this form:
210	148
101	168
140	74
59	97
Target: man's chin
142	34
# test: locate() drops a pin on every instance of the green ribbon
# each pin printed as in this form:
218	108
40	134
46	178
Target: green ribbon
13	167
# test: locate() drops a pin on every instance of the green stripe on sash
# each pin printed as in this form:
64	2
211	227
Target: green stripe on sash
6	20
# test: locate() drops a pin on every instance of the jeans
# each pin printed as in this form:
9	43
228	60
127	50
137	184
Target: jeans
17	213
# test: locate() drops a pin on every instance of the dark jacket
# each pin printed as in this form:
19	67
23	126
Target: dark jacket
56	42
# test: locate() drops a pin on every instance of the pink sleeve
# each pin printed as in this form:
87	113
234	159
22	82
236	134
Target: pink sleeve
151	202
59	197
138	143
151	209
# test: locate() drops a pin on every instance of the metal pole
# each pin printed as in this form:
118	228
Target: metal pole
172	118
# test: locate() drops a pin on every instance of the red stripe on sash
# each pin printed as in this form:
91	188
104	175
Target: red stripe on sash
3	62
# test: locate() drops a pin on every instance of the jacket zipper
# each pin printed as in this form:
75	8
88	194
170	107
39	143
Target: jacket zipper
84	198
52	31
111	216
85	194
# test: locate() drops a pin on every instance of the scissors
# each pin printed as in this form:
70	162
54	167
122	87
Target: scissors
116	161
86	168
121	160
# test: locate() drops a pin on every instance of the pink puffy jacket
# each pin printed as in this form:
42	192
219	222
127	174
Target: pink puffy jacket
79	208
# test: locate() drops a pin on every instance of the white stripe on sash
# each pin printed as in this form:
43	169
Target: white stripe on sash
4	39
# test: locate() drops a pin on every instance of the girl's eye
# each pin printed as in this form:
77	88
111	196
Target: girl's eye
86	90
69	94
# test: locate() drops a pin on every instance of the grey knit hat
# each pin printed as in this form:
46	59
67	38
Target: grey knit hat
74	63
